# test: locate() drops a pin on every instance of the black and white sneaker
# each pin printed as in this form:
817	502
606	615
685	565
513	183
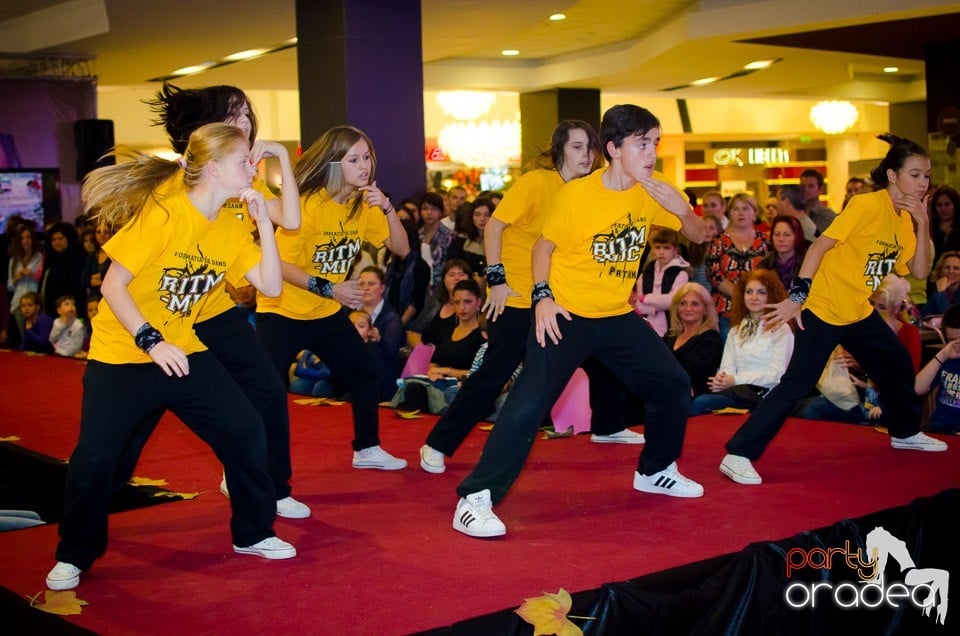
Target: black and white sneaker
474	516
668	481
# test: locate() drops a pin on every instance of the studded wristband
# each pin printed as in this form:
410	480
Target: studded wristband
799	290
320	286
541	290
147	337
496	275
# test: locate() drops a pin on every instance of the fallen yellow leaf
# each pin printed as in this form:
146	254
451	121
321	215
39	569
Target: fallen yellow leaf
318	402
60	603
554	434
12	438
486	427
548	614
169	494
730	411
146	481
408	415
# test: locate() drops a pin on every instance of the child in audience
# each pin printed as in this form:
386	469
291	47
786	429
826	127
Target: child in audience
68	331
36	325
660	279
942	374
310	376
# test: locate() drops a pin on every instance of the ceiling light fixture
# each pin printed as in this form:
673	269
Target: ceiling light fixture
466	105
510	52
245	55
759	65
483	145
704	81
891	69
834	117
233	58
556	17
192	70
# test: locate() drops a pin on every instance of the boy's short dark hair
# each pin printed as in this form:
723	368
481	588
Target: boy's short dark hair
624	120
64	298
951	318
665	236
33	297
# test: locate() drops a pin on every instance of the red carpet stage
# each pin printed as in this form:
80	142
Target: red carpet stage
379	555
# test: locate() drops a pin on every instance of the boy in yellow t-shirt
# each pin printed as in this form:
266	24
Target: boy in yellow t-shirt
584	267
871	238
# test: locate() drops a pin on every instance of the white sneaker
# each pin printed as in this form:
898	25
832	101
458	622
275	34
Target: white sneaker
376	457
474	516
292	509
920	442
668	481
740	470
431	460
269	548
63	576
626	436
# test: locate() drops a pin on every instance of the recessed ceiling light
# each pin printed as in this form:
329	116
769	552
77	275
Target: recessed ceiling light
245	55
190	70
510	52
704	81
891	69
556	17
758	65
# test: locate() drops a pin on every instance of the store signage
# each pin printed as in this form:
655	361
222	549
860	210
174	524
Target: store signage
751	156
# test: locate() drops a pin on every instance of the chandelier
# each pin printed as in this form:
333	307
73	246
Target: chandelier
483	145
833	117
466	105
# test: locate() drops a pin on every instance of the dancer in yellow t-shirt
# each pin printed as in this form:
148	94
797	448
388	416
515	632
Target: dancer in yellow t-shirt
584	267
872	237
509	237
341	207
170	254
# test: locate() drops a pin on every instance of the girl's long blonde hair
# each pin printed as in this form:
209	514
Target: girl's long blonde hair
113	195
319	167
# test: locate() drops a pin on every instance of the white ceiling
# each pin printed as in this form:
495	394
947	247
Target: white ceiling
639	46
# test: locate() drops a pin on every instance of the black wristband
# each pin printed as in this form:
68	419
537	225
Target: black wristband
320	286
496	275
541	290
386	211
147	337
800	289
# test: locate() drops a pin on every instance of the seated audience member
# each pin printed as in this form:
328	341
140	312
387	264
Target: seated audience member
386	330
788	247
62	266
36	325
435	237
24	270
754	358
698	252
891	300
945	290
95	264
408	278
663	275
456	348
450	393
310	376
468	244
693	336
438	314
942	374
68	332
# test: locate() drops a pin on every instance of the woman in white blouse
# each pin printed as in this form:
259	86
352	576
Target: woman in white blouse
754	358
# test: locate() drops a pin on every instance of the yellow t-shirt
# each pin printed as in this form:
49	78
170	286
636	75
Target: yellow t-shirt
325	245
216	304
599	236
523	209
177	258
873	239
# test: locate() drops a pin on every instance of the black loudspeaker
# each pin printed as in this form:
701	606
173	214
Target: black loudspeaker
93	138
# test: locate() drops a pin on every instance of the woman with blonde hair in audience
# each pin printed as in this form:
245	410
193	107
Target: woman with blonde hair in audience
754	358
693	336
739	249
945	284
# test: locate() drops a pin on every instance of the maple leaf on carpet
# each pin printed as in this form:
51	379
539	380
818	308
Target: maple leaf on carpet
147	481
548	614
61	603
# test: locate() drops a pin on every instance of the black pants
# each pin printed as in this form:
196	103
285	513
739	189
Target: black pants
117	400
233	341
628	347
336	342
612	406
871	343
506	347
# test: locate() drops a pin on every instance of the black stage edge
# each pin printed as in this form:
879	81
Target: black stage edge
743	592
33	481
